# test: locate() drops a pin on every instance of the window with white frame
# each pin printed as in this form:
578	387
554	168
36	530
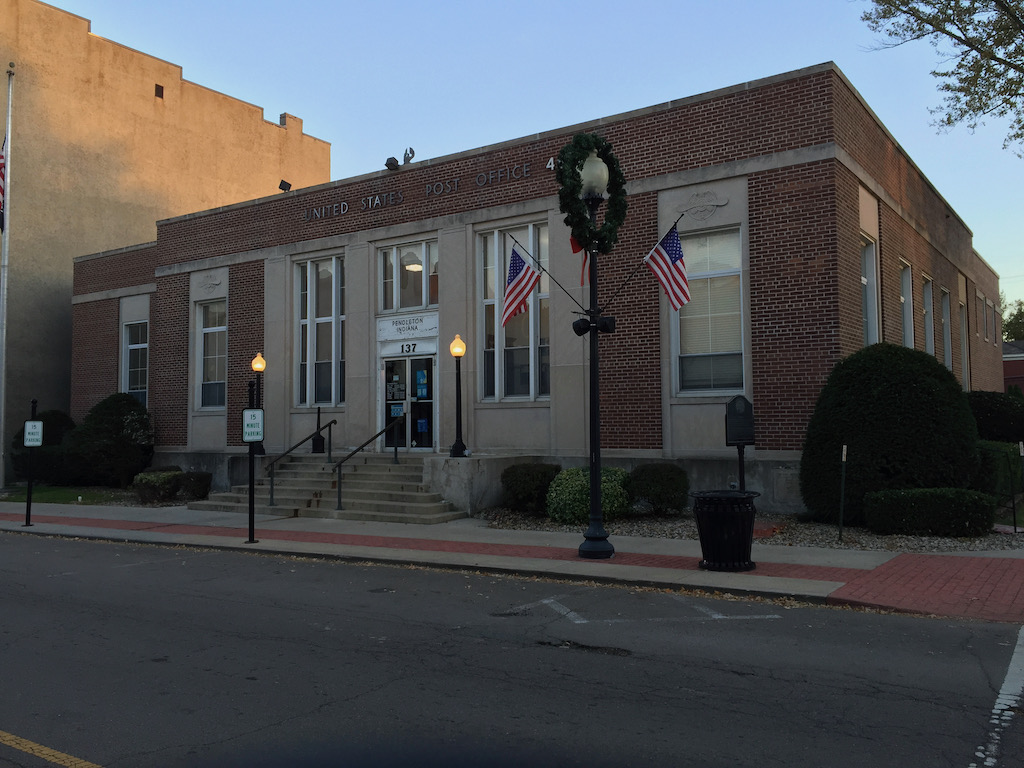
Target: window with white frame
927	312
516	357
408	276
710	328
947	332
869	289
135	360
320	326
907	305
213	351
990	321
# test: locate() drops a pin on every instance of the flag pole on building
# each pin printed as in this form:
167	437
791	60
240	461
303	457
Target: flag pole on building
5	218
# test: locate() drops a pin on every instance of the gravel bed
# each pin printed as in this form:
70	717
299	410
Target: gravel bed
789	532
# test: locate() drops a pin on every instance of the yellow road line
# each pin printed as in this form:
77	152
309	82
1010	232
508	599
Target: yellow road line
38	750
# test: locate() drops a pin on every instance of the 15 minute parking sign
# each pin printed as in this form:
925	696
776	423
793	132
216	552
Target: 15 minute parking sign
252	425
33	434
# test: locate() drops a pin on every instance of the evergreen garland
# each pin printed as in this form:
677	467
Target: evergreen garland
577	217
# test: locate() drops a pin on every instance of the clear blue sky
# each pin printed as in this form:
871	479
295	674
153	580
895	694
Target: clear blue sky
377	76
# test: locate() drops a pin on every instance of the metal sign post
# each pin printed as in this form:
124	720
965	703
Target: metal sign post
739	430
252	433
33	439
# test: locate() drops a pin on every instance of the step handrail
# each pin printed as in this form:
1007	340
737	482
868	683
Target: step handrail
337	467
330	439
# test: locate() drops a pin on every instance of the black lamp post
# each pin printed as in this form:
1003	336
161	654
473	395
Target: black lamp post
259	364
594	176
458	349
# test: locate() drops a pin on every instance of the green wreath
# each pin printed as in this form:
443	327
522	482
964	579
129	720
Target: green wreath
577	217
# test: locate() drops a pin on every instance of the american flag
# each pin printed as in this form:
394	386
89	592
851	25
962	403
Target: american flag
3	180
667	264
521	280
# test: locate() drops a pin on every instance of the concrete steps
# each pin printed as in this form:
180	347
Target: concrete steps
373	489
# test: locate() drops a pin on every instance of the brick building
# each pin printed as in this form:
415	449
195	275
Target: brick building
807	230
105	141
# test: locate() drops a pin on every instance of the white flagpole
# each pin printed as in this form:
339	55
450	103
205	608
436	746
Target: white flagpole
4	272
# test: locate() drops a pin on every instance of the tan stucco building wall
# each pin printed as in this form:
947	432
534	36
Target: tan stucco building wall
105	142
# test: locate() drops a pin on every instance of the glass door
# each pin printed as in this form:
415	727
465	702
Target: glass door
409	391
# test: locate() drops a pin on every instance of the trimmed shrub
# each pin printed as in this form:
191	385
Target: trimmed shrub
568	499
152	487
48	459
196	485
906	423
930	512
1000	471
112	445
999	416
665	486
525	486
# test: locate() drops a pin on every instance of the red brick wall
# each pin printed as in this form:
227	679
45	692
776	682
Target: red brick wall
170	315
794	304
245	338
95	339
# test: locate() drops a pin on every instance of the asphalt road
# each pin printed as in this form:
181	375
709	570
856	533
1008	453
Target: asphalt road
134	656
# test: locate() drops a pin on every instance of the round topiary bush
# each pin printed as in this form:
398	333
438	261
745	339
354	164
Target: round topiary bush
569	495
906	424
665	486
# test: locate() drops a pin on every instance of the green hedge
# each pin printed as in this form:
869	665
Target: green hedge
999	415
930	512
152	487
1000	472
568	499
525	486
665	486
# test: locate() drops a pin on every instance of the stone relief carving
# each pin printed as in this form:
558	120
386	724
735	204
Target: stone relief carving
703	205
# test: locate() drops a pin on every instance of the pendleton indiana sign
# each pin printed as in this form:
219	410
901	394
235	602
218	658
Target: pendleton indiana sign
452	185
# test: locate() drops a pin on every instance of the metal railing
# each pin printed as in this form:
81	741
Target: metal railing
337	467
270	466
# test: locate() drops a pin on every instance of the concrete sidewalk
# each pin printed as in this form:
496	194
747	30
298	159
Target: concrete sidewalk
982	585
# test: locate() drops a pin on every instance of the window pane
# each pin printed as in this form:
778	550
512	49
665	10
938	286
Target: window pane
517	371
324	289
411	278
303	291
387	258
432	273
487	259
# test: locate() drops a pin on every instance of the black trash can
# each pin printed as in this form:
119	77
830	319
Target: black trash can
725	522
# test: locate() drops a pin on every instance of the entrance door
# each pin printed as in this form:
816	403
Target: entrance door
409	390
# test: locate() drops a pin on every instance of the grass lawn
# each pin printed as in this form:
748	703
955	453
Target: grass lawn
57	494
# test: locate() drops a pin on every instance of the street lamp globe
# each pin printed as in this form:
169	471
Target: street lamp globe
259	364
594	175
457	347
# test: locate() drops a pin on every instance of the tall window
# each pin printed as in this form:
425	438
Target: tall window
408	276
711	324
907	305
929	320
947	332
135	361
965	360
516	358
869	289
213	322
320	347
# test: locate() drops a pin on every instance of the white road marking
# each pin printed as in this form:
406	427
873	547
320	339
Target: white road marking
1007	704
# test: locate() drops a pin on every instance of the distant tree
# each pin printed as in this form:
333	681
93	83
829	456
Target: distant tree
1013	321
982	46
